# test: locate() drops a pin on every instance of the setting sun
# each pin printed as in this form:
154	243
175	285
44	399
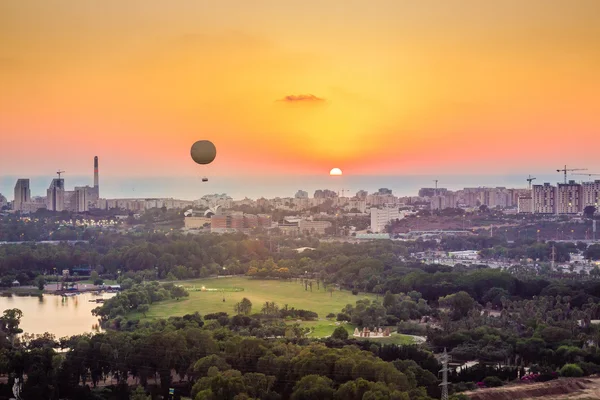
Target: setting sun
335	172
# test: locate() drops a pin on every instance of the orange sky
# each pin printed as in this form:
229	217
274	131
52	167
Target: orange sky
400	87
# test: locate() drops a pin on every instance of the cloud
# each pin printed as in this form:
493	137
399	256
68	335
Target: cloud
294	98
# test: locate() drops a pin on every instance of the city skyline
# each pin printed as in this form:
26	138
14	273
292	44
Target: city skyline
294	90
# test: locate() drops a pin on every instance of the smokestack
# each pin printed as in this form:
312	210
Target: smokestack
96	183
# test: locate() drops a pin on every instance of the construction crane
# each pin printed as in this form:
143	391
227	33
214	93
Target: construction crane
529	180
565	170
587	174
60	172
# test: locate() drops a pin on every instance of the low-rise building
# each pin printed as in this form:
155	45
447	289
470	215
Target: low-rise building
464	255
196	222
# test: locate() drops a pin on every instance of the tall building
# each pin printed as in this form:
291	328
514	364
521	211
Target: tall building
569	198
440	202
96	180
430	192
55	195
22	194
525	204
3	201
324	194
362	194
591	194
301	194
80	201
544	199
380	217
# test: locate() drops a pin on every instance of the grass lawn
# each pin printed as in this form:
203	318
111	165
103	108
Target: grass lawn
258	292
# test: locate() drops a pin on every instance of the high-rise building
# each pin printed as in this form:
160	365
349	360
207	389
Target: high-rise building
591	194
569	198
544	199
22	194
430	192
96	180
525	205
362	194
324	194
3	201
301	194
380	217
440	202
80	202
55	195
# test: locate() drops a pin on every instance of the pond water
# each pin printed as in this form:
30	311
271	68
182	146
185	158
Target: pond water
61	316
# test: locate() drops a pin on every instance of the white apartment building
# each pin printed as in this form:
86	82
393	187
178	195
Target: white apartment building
377	199
591	194
525	205
360	205
381	217
569	198
544	199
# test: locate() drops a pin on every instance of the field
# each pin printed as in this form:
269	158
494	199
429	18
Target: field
258	292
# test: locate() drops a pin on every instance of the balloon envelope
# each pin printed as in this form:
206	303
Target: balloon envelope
203	152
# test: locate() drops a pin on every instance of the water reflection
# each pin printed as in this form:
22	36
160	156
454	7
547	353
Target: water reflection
61	316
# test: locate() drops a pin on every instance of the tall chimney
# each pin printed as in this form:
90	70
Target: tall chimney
96	183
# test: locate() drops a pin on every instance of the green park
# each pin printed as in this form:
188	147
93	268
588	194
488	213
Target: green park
214	295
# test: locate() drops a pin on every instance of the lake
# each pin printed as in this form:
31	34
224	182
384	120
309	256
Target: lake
61	316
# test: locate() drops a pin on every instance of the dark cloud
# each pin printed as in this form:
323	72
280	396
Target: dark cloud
294	98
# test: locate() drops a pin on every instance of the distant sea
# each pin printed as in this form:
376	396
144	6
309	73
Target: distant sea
191	188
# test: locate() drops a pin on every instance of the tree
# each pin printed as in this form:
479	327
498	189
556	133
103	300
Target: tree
389	299
589	211
313	387
593	252
243	307
94	276
179	291
143	308
340	333
41	283
9	323
459	303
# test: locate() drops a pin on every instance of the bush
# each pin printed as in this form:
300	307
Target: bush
459	396
355	292
493	381
464	386
589	368
330	315
216	315
571	370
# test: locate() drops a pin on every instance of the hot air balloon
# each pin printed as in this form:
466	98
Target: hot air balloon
203	152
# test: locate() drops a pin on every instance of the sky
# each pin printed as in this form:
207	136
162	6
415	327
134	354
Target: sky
293	88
